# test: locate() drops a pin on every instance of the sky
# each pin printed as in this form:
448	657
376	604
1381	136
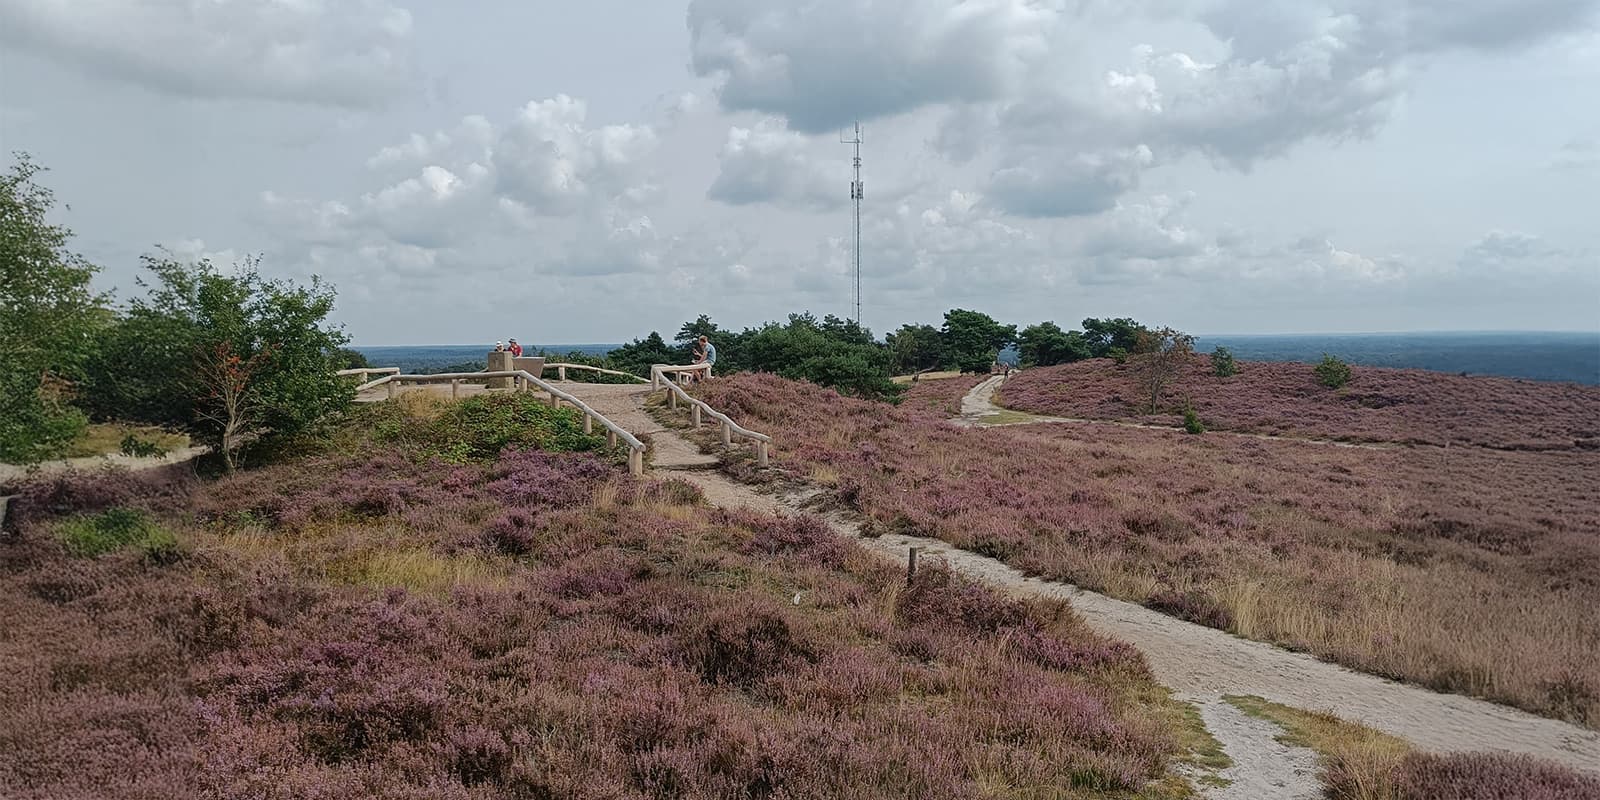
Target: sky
589	172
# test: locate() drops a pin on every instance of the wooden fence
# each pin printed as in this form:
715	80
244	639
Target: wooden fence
525	381
760	442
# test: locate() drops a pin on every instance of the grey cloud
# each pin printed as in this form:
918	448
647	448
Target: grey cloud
824	64
767	164
355	53
1067	186
547	158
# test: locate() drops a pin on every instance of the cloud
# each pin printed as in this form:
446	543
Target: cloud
768	164
547	160
824	64
1577	155
353	53
1047	184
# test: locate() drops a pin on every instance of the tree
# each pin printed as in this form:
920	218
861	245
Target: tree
161	361
639	355
1222	363
1157	359
828	353
915	348
1045	344
973	339
1332	372
48	313
229	400
1107	335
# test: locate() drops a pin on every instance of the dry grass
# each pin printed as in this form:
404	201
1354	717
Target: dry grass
420	570
940	395
106	438
1364	760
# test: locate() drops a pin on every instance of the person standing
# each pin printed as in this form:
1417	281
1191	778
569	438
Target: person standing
516	349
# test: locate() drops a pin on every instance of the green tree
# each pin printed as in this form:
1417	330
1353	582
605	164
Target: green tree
202	338
1332	372
1045	344
915	348
1107	335
1222	363
639	355
48	314
1158	360
823	352
973	339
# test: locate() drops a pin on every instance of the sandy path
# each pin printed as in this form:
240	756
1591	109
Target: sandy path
13	472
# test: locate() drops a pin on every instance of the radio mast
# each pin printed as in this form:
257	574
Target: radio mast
857	191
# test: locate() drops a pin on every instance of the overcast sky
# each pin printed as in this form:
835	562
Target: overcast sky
586	172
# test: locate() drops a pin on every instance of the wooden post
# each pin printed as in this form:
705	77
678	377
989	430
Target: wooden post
911	563
763	454
555	402
672	399
455	388
561	372
727	434
390	387
694	411
636	461
611	438
588	424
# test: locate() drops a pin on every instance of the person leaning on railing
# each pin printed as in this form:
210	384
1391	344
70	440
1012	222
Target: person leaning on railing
705	353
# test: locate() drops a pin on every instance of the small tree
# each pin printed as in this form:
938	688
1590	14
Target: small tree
230	403
1332	372
1106	336
915	348
1157	360
1222	363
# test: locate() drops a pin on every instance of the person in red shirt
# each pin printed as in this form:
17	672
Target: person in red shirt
516	349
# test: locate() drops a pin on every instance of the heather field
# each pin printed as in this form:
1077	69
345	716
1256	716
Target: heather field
377	622
1378	405
1468	570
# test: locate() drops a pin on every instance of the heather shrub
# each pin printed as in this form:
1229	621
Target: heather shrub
807	537
1332	372
159	489
936	596
480	427
1489	776
744	646
1222	363
1194	605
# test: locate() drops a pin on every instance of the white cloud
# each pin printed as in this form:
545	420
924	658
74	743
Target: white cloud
549	161
355	53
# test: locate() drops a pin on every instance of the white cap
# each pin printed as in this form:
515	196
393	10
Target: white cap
497	343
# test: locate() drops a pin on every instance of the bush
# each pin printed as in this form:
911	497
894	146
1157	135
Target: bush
112	530
1118	354
1489	776
139	448
1332	372
1222	363
478	428
1191	421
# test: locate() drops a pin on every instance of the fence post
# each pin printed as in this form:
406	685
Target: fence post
455	388
390	387
561	372
611	438
555	402
672	399
763	456
694	411
635	461
588	424
911	563
727	434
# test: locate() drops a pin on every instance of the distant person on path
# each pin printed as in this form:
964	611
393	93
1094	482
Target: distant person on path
516	349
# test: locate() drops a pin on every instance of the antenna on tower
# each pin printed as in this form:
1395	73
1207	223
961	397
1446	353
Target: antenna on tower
857	191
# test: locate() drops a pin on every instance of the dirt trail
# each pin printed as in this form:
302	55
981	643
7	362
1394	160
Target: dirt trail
13	472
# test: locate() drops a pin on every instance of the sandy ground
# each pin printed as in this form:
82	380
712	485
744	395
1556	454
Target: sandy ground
12	472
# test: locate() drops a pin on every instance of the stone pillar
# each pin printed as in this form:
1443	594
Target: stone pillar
500	362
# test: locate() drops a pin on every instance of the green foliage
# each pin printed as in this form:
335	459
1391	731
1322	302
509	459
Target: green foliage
1222	363
1107	336
915	348
972	339
114	529
48	314
1118	354
1158	360
1045	344
345	358
639	355
478	428
831	352
139	448
1191	421
1332	372
158	362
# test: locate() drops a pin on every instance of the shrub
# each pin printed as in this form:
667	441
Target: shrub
1332	372
139	448
1222	363
112	530
480	427
1191	421
1489	776
1118	354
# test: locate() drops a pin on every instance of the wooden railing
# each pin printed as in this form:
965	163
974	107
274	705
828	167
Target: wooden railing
524	381
363	372
561	371
761	442
659	373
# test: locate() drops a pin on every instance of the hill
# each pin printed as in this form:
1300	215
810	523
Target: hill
1405	406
